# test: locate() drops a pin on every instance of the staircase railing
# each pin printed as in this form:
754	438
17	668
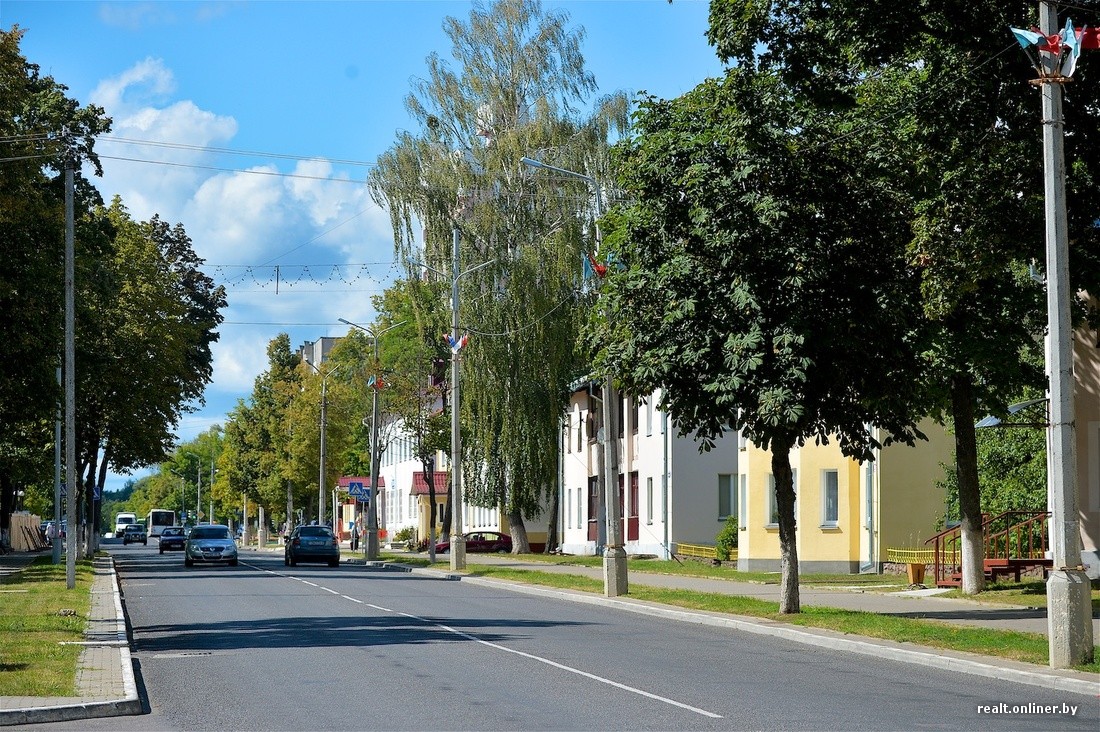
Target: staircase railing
1019	539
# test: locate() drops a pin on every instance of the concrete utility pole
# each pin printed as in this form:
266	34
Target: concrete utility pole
370	546
457	539
1069	603
324	421
70	380
614	555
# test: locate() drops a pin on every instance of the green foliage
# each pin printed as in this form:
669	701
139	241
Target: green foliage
726	541
478	117
1012	472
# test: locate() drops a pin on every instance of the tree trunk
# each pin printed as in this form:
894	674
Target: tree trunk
429	476
552	525
90	527
966	469
450	504
101	480
518	530
788	549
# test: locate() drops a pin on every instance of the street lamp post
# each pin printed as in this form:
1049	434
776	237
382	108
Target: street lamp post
370	548
324	418
614	556
458	541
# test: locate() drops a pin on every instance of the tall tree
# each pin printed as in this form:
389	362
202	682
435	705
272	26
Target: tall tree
518	84
39	127
960	127
763	281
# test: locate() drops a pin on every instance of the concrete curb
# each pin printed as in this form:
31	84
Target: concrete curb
1074	682
102	632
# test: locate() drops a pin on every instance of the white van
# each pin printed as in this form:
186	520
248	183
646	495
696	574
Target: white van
122	520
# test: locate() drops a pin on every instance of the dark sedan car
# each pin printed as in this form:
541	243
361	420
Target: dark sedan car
312	544
488	542
171	538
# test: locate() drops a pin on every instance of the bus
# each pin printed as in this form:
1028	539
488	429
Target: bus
157	519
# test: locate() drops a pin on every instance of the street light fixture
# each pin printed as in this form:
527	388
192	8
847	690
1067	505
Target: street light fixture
458	541
324	418
614	556
371	547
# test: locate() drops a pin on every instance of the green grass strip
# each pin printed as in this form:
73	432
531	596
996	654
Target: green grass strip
32	661
1015	645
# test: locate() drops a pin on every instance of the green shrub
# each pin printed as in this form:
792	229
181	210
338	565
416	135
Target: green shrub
726	541
406	534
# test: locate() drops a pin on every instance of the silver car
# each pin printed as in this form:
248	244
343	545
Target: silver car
210	543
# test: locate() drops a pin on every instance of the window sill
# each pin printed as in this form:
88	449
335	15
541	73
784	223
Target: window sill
771	527
829	527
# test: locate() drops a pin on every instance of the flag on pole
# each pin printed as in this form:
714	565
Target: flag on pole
458	345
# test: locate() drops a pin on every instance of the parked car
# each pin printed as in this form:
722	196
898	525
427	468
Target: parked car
481	541
312	544
133	533
210	543
171	538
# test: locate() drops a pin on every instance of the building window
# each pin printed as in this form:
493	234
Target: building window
725	496
580	507
649	500
648	401
593	498
633	415
569	509
830	497
773	504
632	512
591	419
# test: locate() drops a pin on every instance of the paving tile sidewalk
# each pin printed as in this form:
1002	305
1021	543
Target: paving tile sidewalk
105	683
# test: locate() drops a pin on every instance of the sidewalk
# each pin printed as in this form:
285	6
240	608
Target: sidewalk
105	682
106	685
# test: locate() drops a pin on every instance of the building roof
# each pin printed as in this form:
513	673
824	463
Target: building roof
420	482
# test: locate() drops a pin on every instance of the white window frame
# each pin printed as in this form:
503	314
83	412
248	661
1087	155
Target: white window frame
826	521
649	499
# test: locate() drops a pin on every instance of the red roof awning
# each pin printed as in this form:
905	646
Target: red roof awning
420	483
346	480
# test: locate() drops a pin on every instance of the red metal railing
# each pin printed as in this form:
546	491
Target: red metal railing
1012	535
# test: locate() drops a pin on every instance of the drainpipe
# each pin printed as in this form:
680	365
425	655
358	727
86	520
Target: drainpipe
665	481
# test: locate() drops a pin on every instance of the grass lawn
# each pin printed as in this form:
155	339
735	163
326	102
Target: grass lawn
32	663
1025	647
1027	593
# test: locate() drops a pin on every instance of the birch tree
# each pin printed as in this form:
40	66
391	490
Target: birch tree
517	87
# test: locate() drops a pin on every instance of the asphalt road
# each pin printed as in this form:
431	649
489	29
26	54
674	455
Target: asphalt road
262	646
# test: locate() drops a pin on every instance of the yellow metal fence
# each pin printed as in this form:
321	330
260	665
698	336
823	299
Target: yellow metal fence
911	556
701	551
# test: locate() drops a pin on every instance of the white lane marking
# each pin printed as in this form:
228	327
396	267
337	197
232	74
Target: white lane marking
305	582
540	659
563	667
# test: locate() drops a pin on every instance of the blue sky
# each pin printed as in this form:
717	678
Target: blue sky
317	89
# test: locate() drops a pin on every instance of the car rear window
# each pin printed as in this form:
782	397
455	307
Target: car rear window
315	531
209	532
172	532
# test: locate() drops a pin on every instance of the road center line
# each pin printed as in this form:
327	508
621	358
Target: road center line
563	667
530	656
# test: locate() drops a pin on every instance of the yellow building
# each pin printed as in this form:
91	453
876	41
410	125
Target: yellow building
847	513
